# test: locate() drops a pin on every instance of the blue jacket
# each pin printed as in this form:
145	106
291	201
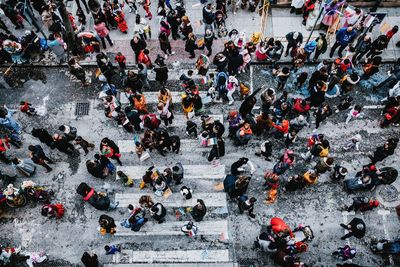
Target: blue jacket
344	37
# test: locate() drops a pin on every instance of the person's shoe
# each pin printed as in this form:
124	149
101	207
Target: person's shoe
343	225
172	53
166	56
343	238
304	23
230	102
192	57
47	171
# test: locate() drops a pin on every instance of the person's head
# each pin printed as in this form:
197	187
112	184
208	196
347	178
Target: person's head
209	5
360	226
71	61
358	11
377	60
154	209
140	66
191	36
325	143
106	248
45	211
252	200
15	160
346	61
160	106
325	62
395	29
358	108
343	171
329	161
349	29
136	39
137	143
285	70
246	126
146	51
367	38
31	148
131	207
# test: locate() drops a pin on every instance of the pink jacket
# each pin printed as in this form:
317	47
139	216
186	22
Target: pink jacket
101	29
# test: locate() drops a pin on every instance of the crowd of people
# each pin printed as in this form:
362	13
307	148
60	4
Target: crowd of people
319	94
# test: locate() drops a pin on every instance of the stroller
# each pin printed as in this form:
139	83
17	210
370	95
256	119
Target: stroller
220	23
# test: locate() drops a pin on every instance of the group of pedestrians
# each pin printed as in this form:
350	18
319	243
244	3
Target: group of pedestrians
284	113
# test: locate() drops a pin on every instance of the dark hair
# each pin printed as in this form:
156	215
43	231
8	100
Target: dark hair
140	66
130	206
31	148
107	248
154	209
253	199
190	72
61	128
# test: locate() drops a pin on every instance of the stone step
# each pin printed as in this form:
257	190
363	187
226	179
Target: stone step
173	256
190	171
208	228
175	200
128	146
179	120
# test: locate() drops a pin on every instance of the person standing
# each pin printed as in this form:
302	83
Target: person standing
57	46
77	70
4	146
208	17
103	33
137	45
199	211
344	37
142	74
247	204
174	21
12	15
165	113
109	149
161	71
322	46
107	225
355	228
294	40
191	45
158	212
39	157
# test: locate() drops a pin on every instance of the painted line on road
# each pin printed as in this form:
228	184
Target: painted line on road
190	171
210	228
175	200
178	256
384	213
128	146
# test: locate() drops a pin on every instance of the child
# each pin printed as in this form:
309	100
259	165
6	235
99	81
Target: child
353	143
27	108
301	79
125	179
110	250
191	128
121	59
84	144
355	112
282	78
120	19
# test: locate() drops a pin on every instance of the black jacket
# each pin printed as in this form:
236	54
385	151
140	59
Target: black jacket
137	47
208	16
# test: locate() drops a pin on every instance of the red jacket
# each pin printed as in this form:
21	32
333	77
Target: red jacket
4	144
284	127
299	108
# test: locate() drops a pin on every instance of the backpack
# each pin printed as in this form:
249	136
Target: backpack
324	152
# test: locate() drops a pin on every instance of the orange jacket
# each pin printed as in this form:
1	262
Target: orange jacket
284	127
